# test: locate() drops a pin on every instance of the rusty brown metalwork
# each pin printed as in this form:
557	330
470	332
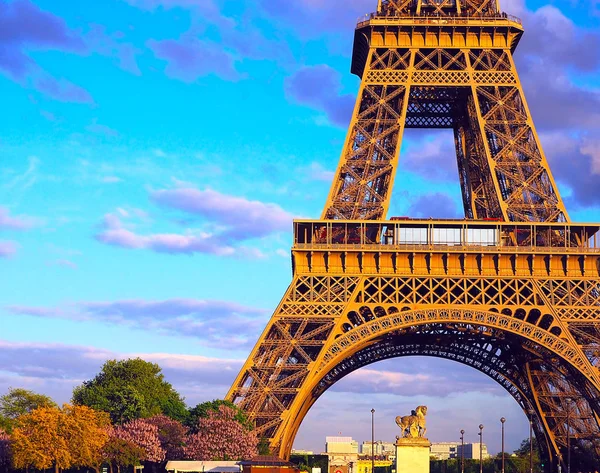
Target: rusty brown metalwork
513	290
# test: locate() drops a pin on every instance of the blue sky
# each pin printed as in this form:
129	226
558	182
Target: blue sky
153	154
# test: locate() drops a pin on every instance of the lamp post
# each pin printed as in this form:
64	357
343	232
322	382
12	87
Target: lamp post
531	441
502	420
462	451
568	400
480	448
372	440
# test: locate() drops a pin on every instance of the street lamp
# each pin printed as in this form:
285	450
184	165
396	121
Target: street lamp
531	441
462	451
568	400
503	420
480	448
372	440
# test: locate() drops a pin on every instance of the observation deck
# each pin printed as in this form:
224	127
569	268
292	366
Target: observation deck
451	247
433	30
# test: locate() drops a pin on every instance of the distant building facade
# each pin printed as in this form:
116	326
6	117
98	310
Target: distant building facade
341	445
471	451
444	450
342	453
302	452
364	464
382	449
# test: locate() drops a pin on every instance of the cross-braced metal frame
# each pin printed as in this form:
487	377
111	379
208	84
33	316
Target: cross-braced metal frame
512	291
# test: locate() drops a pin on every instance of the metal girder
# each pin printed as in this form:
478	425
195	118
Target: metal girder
476	91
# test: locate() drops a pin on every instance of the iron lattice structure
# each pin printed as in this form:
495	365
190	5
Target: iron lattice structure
513	290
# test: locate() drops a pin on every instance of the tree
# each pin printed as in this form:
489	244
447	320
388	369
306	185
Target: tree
19	401
61	438
131	389
264	447
172	435
221	437
118	452
40	441
87	432
523	455
4	450
144	435
202	411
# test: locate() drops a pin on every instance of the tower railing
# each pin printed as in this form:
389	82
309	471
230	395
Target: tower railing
449	19
450	235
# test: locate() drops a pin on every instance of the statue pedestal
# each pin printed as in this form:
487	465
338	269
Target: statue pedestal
412	455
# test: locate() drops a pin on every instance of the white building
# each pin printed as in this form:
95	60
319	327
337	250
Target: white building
342	453
472	451
382	449
341	445
444	450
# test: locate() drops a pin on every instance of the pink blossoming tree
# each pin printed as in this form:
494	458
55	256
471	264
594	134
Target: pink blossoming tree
172	435
221	437
145	435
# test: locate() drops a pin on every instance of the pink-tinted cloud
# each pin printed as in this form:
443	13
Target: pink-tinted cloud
65	263
25	27
313	17
8	222
7	249
113	45
214	323
202	5
103	130
24	23
244	219
431	155
113	232
190	58
62	90
438	205
55	369
319	87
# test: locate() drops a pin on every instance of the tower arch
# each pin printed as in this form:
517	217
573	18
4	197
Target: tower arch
474	338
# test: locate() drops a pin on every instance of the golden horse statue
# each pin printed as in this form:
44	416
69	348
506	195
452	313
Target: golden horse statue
413	426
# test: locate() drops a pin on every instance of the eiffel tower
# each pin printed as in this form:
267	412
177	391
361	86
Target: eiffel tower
513	290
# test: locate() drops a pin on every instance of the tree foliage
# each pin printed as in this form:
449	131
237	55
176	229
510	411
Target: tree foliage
39	441
145	435
120	453
203	410
87	432
5	457
131	389
172	435
19	401
221	437
61	438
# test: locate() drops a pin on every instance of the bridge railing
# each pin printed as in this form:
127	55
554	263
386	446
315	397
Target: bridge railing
446	234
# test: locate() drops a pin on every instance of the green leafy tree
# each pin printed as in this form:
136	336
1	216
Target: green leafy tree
18	402
522	461
203	410
264	447
119	453
131	389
